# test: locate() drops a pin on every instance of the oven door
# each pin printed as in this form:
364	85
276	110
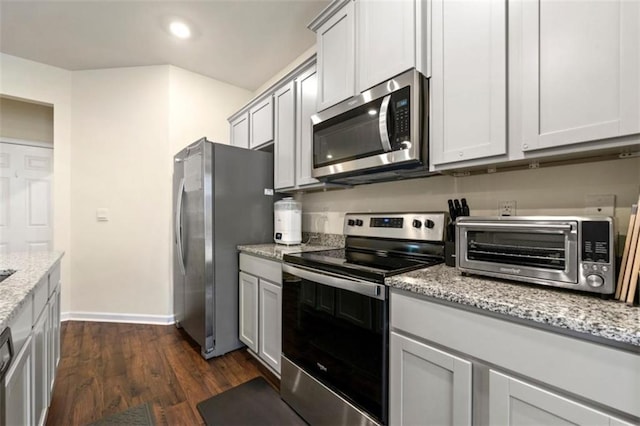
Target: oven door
538	250
379	128
335	329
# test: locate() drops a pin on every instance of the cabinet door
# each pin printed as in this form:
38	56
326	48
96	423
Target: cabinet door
307	94
240	131
336	58
249	311
271	324
386	42
468	80
18	388
581	71
427	386
284	143
40	344
512	402
53	337
261	123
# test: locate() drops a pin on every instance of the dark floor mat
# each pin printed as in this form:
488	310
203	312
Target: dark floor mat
140	415
251	403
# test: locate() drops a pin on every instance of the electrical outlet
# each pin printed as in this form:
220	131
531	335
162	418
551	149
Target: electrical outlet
599	204
507	208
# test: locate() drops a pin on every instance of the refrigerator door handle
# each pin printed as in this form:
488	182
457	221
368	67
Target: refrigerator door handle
178	226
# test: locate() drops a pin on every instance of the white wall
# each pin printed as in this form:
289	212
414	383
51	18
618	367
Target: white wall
127	125
32	81
120	157
558	190
26	121
199	106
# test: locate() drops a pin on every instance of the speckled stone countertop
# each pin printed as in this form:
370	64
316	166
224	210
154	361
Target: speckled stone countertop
30	268
580	314
276	251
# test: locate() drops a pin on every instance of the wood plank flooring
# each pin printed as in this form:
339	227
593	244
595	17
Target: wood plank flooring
106	368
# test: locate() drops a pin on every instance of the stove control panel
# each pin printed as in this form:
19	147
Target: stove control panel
424	226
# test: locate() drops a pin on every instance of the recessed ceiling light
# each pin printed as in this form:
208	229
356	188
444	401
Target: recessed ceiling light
180	29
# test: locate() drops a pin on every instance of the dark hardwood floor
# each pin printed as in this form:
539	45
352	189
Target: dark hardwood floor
106	368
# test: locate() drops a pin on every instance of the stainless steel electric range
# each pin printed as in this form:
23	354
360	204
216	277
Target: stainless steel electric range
335	310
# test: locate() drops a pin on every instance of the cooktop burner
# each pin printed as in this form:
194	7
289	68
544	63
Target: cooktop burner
358	264
379	245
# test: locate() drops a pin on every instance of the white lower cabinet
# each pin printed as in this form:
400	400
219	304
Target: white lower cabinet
513	402
427	386
450	366
260	308
28	384
270	323
249	310
41	353
18	388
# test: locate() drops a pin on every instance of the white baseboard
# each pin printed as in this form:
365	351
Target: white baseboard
123	318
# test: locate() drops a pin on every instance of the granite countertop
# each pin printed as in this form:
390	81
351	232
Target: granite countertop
547	306
276	251
30	268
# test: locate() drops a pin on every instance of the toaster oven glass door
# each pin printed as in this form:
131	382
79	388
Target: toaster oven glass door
545	252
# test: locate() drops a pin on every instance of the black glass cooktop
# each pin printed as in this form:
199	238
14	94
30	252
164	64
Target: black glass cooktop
370	266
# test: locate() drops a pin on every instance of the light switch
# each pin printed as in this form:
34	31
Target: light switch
102	215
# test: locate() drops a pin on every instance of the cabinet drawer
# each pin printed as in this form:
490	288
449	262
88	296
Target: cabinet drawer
263	268
40	297
21	324
54	278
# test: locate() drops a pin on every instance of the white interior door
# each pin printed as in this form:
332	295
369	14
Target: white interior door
25	198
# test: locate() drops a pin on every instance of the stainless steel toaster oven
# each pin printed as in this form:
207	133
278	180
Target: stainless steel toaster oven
560	251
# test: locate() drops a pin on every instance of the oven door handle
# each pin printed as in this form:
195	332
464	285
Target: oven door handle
534	226
377	291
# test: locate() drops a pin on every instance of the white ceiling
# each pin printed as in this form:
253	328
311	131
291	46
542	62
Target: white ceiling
241	42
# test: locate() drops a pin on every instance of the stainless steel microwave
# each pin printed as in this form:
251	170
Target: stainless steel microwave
380	134
560	251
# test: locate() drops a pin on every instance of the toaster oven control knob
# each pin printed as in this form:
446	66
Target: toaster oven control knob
351	222
359	222
595	280
417	223
429	223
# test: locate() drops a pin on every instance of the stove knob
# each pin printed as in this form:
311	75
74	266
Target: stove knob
595	280
429	223
359	222
351	222
417	223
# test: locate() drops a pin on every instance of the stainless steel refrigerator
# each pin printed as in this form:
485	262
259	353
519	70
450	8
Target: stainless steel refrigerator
222	197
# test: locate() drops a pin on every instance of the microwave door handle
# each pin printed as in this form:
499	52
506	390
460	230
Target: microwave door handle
536	226
382	123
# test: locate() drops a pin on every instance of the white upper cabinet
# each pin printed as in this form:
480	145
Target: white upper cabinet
240	131
261	123
468	116
306	92
580	71
386	41
284	143
362	43
336	57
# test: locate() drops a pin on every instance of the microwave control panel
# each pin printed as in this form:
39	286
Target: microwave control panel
401	106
